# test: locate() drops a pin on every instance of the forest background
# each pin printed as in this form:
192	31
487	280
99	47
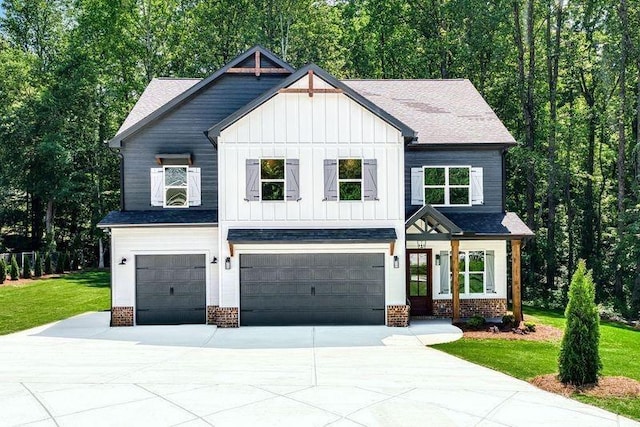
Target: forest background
563	75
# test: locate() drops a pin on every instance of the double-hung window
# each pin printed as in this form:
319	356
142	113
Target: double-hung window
176	187
272	184
476	272
447	185
350	179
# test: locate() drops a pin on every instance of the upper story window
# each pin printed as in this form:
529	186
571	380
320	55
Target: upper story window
350	179
272	180
447	186
176	187
272	184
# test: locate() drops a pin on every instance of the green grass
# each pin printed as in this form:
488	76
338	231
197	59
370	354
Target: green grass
43	301
619	347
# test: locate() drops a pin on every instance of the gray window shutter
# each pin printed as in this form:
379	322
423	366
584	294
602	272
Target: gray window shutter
157	187
195	198
330	179
370	181
253	180
477	196
292	175
417	186
444	272
490	272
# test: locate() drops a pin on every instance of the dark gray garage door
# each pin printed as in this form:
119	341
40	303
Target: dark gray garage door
170	289
312	289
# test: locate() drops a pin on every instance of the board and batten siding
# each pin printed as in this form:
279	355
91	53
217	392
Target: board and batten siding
490	160
182	131
131	241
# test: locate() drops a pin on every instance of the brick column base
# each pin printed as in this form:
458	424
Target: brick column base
485	307
223	317
121	316
398	315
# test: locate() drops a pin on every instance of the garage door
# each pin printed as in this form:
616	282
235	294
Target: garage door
170	289
312	289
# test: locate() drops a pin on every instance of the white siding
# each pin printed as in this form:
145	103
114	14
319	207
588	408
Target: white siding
129	242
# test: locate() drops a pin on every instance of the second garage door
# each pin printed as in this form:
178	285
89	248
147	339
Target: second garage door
170	289
312	289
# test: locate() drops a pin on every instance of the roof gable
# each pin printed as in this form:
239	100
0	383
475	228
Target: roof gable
328	83
164	95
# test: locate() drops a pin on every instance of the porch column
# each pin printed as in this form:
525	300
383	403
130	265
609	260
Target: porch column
455	281
515	279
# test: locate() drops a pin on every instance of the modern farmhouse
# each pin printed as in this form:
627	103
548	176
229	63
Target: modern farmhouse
266	195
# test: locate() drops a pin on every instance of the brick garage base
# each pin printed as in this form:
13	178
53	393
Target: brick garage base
121	316
222	317
398	315
485	307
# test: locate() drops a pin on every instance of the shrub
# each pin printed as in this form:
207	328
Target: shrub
67	261
3	271
475	322
530	326
26	268
14	270
37	267
509	320
60	263
579	361
48	267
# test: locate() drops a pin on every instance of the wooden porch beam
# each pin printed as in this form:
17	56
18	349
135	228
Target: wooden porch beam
231	249
392	247
251	70
455	281
297	90
516	294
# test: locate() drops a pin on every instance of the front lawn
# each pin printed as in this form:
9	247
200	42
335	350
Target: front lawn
39	302
619	347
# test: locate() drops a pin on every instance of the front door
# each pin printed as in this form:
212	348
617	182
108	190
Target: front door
419	281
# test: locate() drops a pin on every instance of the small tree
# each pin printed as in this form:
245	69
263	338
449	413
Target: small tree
67	261
14	270
3	270
60	263
26	268
579	361
37	268
48	267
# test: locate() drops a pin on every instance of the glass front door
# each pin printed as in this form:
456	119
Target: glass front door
419	281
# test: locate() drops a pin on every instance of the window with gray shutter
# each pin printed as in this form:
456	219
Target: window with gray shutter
195	198
490	284
292	176
370	183
417	186
252	180
444	272
330	179
157	186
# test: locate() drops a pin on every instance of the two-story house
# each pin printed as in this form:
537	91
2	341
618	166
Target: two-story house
265	195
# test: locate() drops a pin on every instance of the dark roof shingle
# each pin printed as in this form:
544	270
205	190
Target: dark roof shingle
159	217
311	235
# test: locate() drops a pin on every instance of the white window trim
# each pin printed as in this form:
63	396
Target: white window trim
283	180
360	181
446	185
466	274
165	187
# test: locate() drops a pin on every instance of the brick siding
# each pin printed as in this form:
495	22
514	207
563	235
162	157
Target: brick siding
485	307
226	317
398	315
121	316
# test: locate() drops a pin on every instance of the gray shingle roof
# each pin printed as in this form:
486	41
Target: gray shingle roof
159	217
311	235
501	224
158	93
440	111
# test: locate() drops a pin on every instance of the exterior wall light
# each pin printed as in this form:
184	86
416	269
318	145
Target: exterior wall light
227	263
437	259
214	260
123	261
396	261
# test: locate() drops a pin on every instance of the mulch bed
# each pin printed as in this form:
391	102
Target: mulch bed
607	387
542	333
22	281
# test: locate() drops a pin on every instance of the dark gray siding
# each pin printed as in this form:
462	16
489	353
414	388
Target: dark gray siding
488	159
182	131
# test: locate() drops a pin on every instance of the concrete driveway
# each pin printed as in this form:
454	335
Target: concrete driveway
79	372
